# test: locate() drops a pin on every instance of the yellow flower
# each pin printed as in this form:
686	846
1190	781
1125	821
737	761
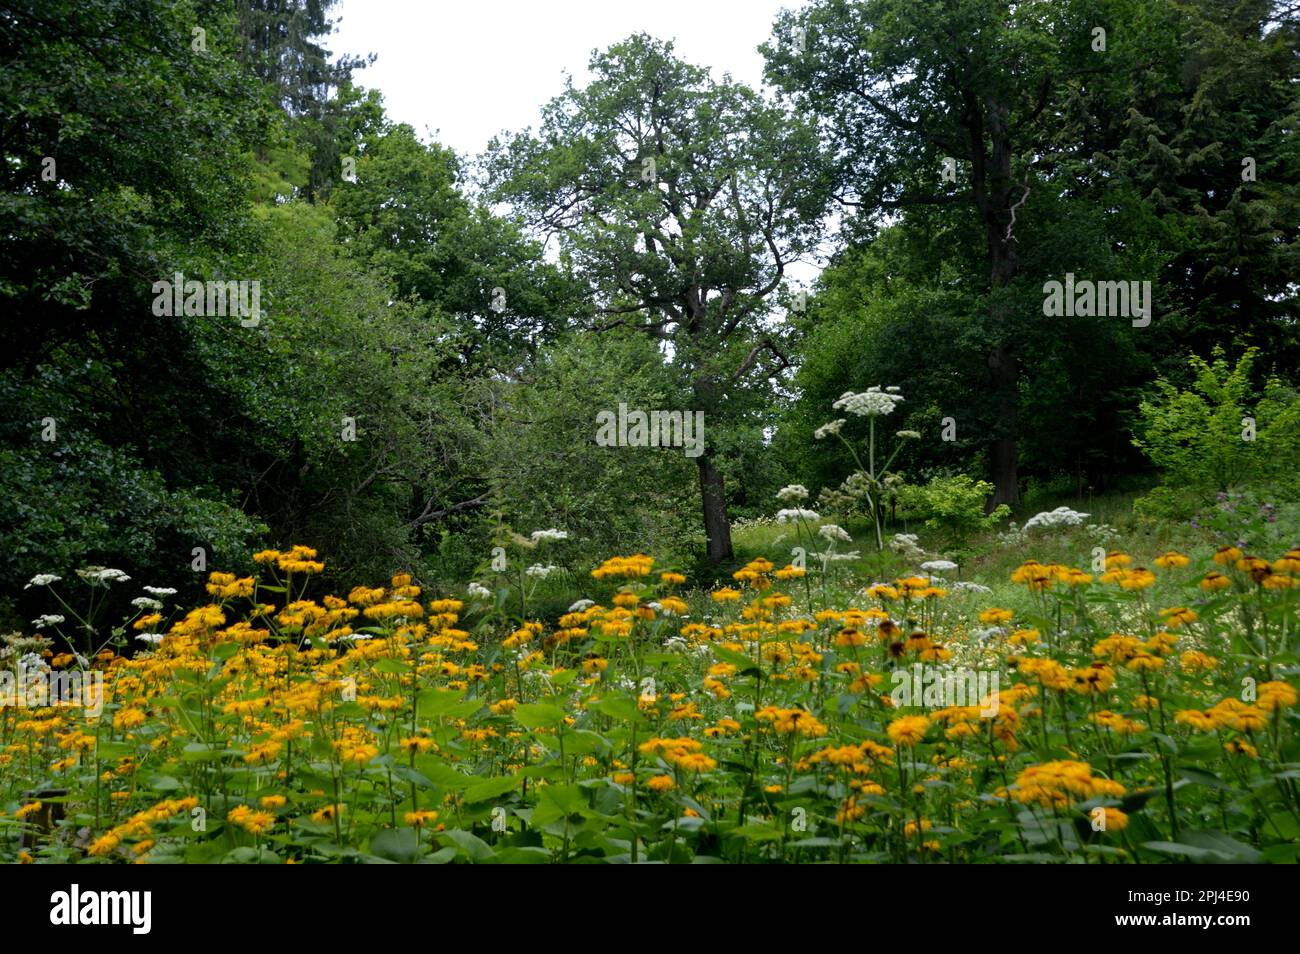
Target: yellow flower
1112	819
996	616
1171	559
908	730
1277	695
420	818
1227	556
1177	616
661	783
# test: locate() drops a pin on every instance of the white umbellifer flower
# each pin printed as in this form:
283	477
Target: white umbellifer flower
873	402
146	603
1060	517
42	579
540	536
478	591
795	513
938	566
32	663
541	572
581	606
160	590
95	575
833	532
831	427
676	644
912	435
966	586
153	639
49	619
907	545
847	555
794	493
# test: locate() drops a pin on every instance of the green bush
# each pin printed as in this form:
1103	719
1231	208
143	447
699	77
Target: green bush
1207	437
953	505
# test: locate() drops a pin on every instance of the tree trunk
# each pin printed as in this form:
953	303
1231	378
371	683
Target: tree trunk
716	525
1003	263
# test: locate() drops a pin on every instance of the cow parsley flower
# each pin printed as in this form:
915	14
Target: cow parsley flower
845	556
541	572
545	536
793	493
151	639
478	591
146	603
102	575
581	606
161	590
829	428
49	619
796	513
42	579
1051	519
832	532
938	566
873	402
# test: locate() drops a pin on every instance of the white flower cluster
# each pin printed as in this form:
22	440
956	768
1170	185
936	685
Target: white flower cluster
967	586
831	427
152	639
146	603
873	402
796	513
546	536
794	493
49	619
846	555
581	606
906	545
541	572
96	575
832	533
1051	519
1102	532
160	590
478	591
42	579
33	663
938	566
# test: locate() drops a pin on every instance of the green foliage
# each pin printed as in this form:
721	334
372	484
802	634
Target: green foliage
952	505
546	469
1208	436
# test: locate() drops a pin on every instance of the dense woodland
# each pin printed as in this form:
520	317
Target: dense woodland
471	315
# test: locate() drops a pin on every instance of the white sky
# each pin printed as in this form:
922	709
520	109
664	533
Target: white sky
461	71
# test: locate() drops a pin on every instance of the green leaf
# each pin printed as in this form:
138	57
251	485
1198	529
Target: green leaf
538	715
469	845
491	788
401	845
